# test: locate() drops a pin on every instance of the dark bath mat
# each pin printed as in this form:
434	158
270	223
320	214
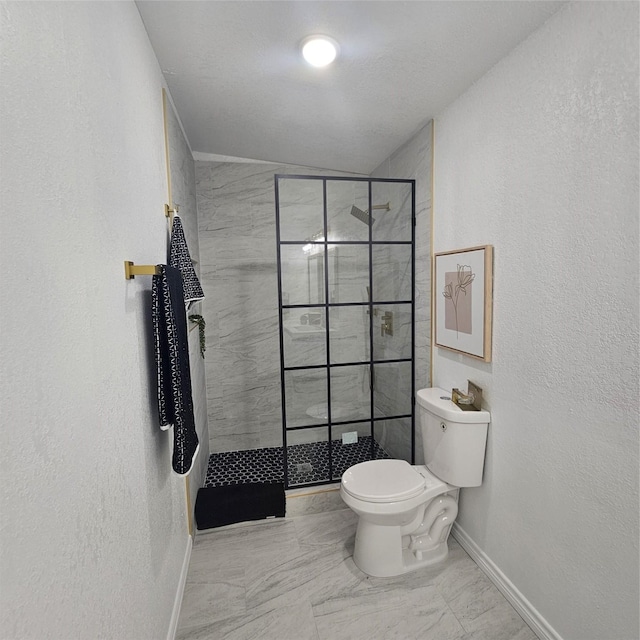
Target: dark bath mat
219	506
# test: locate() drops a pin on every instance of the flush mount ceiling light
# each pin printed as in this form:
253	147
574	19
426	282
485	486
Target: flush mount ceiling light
319	51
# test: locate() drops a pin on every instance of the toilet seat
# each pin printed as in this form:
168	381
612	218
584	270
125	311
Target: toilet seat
383	481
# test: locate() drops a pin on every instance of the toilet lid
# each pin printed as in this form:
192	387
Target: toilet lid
382	481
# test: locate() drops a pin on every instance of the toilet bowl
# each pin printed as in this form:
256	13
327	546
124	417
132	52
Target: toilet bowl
405	512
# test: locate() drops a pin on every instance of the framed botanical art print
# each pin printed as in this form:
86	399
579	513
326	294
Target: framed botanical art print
463	296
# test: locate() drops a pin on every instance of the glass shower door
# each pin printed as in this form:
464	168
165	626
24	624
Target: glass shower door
345	278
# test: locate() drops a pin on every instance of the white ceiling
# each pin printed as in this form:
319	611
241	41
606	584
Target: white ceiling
241	88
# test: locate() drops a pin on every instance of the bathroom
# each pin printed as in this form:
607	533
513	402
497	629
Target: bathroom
538	158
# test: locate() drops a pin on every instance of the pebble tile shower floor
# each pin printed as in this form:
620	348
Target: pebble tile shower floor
265	465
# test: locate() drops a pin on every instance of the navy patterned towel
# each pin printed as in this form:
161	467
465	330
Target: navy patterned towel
180	259
175	403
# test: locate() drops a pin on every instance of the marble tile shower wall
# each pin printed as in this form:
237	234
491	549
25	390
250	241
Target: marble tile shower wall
413	161
236	214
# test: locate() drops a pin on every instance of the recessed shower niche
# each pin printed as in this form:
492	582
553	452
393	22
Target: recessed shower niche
346	269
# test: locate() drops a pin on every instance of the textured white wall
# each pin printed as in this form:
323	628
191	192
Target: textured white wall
93	521
540	159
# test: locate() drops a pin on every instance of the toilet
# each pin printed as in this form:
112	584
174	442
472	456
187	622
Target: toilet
405	512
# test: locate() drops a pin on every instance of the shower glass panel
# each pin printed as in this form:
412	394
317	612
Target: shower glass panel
392	272
344	456
306	394
349	334
399	345
301	210
349	275
392	389
346	263
345	202
302	273
394	437
308	457
396	223
304	337
350	394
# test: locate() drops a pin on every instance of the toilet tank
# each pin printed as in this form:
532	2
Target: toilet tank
453	440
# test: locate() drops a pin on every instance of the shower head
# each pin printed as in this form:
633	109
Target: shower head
363	216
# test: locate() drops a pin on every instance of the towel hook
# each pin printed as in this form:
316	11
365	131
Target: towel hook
170	211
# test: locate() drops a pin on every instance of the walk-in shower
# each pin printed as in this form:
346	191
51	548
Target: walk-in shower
346	310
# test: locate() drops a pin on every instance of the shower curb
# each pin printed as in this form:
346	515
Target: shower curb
305	501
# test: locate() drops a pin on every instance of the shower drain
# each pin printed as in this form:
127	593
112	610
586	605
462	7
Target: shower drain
304	467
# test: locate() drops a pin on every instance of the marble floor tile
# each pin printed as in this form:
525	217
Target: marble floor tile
476	599
423	615
317	573
207	602
257	544
524	633
468	592
457	562
292	622
500	622
457	572
295	579
327	529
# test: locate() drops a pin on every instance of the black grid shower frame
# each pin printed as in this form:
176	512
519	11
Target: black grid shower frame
327	305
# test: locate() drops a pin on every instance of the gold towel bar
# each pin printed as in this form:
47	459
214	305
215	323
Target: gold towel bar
131	270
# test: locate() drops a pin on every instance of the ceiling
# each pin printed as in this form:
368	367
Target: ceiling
242	89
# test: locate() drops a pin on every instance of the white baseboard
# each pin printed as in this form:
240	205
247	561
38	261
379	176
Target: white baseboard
175	614
525	609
